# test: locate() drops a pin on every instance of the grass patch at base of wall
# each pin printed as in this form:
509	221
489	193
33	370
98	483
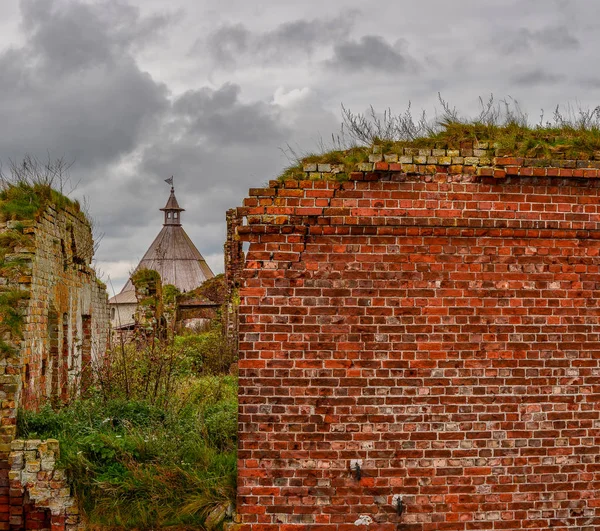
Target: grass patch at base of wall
136	465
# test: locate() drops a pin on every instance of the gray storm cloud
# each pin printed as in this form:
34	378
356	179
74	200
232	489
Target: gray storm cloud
230	44
73	89
370	53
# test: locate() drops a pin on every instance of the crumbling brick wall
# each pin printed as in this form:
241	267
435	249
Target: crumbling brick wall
64	330
234	265
39	491
425	333
66	324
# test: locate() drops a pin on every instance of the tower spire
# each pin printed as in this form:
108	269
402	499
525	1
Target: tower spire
172	209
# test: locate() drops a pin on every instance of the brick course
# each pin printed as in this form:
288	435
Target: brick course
439	327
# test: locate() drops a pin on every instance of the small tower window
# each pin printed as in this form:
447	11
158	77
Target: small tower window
175	214
168	215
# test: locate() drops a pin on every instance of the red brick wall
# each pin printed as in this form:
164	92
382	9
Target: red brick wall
444	330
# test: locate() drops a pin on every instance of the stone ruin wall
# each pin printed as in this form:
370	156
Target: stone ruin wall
426	332
65	330
67	323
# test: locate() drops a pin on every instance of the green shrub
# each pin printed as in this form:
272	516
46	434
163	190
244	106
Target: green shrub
206	353
21	201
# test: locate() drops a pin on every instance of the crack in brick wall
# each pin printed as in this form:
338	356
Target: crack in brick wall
438	324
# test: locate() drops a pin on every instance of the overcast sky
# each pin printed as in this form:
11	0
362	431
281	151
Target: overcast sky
212	92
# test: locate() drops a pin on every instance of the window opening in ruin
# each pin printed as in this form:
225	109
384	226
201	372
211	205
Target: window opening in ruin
86	351
63	250
76	259
73	243
112	313
64	359
50	388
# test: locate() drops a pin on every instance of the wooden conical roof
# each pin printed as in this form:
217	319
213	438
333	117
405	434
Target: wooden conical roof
173	255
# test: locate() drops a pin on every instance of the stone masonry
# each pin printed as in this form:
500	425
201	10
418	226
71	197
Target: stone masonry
65	329
423	338
40	494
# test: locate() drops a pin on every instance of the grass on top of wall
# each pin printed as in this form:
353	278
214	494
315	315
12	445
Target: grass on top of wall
567	133
31	185
24	193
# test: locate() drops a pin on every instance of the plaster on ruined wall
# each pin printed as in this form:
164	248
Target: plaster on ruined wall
122	315
434	319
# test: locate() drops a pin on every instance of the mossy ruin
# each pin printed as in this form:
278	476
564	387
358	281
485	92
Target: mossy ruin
148	291
24	201
20	204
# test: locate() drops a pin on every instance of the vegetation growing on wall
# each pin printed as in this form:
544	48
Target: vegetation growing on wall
31	186
569	133
11	319
149	294
24	193
213	289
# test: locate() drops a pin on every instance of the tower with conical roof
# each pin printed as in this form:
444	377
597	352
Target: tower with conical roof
173	255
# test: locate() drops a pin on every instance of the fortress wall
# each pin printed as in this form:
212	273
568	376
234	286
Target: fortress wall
427	331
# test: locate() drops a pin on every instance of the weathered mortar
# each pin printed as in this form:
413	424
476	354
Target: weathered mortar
65	328
435	321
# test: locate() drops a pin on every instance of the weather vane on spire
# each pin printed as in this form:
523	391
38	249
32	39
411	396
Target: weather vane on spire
170	181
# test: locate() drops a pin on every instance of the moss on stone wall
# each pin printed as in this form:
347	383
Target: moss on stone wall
22	201
14	268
